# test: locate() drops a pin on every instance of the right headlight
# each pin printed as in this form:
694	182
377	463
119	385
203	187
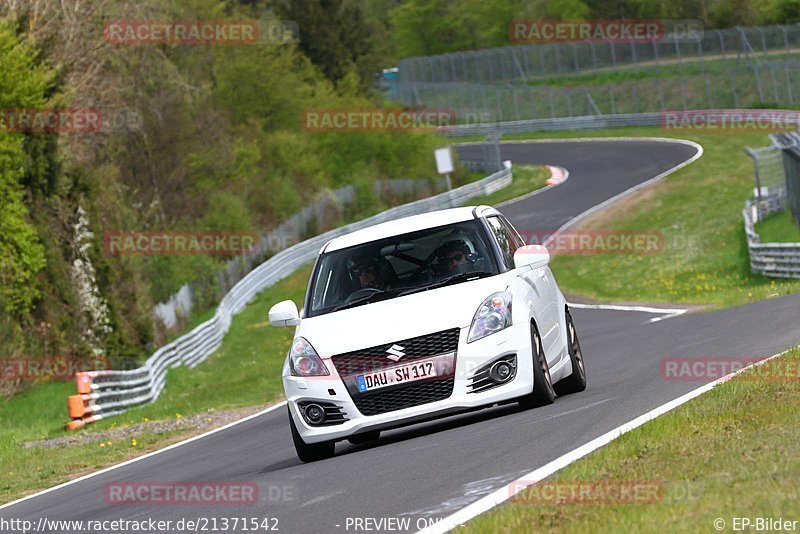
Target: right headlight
493	315
304	360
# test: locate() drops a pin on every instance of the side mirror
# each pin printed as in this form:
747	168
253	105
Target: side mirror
534	256
284	314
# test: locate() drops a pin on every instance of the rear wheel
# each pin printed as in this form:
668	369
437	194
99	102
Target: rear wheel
543	392
312	452
366	437
577	380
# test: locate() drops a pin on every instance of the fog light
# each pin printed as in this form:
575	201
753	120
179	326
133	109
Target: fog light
501	372
314	414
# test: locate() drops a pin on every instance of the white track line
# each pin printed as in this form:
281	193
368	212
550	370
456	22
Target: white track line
148	455
505	493
651	181
666	313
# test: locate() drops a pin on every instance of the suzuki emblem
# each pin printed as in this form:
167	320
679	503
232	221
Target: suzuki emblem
395	352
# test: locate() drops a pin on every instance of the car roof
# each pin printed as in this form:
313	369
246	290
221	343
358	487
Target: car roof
408	224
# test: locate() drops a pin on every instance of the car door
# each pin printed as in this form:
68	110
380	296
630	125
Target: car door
541	282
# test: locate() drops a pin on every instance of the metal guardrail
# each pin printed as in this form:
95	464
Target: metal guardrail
586	122
772	167
102	394
777	260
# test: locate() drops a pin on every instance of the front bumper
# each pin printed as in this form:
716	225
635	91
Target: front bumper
469	358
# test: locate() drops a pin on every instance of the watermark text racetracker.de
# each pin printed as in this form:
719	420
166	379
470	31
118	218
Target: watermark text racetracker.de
607	241
181	243
187	493
69	120
712	368
603	492
267	30
375	119
58	367
147	525
604	30
731	120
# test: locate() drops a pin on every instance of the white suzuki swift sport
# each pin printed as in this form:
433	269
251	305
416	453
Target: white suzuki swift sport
421	317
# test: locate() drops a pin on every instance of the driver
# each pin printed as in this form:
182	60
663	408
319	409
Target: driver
368	273
455	256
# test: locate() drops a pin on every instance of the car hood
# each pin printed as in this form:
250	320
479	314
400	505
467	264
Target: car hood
399	318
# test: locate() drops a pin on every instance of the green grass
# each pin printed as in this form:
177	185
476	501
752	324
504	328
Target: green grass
779	228
698	210
650	70
245	371
527	178
735	456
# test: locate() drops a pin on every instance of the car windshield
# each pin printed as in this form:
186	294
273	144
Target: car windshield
400	265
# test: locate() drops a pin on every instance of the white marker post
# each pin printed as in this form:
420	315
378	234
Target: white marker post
444	164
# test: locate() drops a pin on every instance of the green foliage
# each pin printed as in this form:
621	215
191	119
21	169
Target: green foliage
428	27
336	37
23	83
220	148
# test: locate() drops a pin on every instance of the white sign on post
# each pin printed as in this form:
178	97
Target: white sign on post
444	160
444	163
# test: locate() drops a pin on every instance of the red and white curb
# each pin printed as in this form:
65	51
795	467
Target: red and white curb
558	175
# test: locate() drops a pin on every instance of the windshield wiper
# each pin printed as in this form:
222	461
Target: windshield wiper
367	298
450	280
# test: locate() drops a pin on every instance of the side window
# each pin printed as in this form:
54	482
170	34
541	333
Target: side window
515	237
504	240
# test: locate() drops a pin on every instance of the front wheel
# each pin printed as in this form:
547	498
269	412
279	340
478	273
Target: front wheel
543	392
310	453
577	380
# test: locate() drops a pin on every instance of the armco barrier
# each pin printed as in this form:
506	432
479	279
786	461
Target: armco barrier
777	260
587	122
102	394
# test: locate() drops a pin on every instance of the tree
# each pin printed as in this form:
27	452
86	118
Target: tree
23	83
334	35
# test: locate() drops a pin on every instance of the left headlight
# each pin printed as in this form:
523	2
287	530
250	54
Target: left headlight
493	315
304	360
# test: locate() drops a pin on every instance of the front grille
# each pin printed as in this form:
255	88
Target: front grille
401	397
375	358
334	415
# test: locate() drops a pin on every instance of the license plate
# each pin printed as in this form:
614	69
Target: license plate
396	375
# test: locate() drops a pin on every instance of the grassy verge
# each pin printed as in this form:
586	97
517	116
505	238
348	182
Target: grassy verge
779	228
736	457
527	178
698	211
244	372
669	68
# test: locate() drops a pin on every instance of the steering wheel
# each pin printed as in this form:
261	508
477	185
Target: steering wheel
363	292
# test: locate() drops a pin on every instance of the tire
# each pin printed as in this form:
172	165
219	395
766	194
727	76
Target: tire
310	453
577	380
366	437
543	392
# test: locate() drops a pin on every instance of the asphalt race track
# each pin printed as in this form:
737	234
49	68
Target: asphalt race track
434	469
